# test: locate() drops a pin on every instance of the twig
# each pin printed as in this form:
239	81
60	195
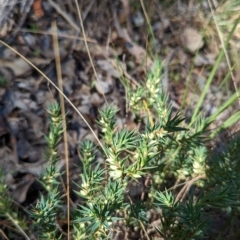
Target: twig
137	51
3	234
87	10
63	112
59	35
182	194
17	226
87	48
64	15
143	228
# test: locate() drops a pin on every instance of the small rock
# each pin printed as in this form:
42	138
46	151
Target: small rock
192	39
138	19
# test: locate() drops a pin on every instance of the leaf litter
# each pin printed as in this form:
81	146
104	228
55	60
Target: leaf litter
117	51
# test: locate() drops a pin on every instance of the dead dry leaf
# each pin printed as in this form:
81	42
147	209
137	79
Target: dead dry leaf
23	147
35	125
137	51
104	87
20	189
204	59
18	66
109	68
96	100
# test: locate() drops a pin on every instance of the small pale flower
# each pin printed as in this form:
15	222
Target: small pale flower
115	174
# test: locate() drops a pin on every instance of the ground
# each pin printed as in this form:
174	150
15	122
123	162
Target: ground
111	43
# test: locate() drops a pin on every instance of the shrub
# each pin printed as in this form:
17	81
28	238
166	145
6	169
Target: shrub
183	184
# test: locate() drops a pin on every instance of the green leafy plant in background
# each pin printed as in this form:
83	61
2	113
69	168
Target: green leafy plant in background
166	151
183	181
44	213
